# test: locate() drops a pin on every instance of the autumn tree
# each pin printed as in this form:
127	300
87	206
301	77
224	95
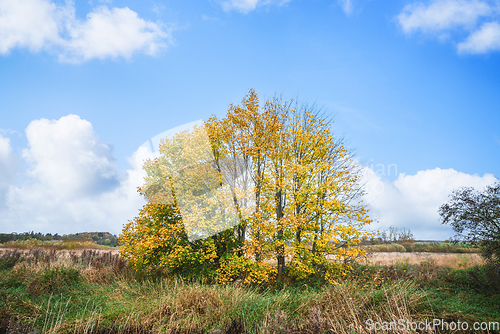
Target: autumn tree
277	182
305	186
186	225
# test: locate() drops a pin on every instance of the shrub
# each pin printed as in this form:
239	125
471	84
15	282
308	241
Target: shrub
156	238
483	279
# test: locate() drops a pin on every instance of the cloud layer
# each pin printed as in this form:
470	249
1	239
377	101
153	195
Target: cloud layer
245	6
412	201
346	6
106	33
479	19
8	164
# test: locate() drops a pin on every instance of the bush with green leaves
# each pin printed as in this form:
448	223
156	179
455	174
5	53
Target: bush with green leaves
475	217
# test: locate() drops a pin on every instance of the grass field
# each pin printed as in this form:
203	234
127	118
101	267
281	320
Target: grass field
451	260
94	291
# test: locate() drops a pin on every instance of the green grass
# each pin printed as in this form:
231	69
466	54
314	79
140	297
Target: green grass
97	293
454	294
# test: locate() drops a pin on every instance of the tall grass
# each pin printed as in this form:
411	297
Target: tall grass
94	292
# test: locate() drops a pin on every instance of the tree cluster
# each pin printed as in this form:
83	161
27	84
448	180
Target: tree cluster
278	196
4	237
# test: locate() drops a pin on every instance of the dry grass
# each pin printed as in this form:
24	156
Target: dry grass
177	306
119	303
95	266
222	309
452	260
346	308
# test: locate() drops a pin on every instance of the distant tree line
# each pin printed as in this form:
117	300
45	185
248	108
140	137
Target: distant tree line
101	238
393	235
29	235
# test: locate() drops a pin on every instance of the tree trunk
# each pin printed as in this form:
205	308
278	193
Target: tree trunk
280	250
241	237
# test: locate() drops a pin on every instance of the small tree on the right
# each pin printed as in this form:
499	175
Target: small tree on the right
475	217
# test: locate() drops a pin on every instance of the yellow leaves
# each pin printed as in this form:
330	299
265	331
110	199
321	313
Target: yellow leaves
233	267
304	182
294	187
301	269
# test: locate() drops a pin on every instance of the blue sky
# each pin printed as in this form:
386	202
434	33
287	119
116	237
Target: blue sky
411	84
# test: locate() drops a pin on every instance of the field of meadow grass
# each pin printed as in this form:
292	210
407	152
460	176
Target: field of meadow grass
450	260
425	247
44	290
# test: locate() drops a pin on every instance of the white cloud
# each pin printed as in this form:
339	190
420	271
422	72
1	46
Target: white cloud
5	150
478	18
67	156
74	185
245	6
118	32
346	6
106	33
28	23
8	164
486	39
412	201
442	14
